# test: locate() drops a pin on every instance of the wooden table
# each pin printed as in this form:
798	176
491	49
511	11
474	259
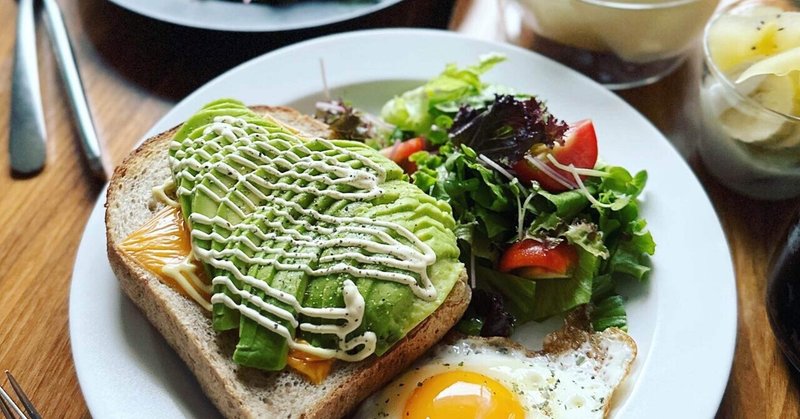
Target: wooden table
136	69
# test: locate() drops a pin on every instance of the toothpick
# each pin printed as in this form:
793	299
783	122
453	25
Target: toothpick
325	90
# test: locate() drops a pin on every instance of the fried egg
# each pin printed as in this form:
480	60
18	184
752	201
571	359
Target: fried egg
492	378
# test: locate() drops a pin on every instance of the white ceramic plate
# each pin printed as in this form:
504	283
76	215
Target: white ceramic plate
683	318
236	16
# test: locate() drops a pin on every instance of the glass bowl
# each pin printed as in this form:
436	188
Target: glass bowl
751	148
620	43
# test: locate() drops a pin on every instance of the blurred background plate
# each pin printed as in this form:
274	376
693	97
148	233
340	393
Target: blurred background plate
229	15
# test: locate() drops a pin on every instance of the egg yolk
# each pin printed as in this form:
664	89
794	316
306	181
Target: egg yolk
461	395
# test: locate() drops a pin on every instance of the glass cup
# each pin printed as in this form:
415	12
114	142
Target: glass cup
619	43
751	148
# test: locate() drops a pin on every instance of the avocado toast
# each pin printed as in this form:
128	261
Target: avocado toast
357	229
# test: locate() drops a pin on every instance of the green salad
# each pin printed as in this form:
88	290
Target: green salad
542	224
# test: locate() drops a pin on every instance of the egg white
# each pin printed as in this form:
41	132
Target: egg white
567	385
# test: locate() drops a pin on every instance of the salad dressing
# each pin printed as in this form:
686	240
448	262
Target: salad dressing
386	251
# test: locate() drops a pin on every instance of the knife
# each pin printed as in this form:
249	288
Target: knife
27	133
74	87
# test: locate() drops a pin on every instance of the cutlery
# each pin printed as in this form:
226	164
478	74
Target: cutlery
74	87
11	410
27	133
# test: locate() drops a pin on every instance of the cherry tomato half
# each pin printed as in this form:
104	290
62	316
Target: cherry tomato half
399	153
579	149
533	259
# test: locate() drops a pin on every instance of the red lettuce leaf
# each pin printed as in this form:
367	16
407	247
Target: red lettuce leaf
507	129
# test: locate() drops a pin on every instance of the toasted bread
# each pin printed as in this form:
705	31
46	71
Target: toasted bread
240	392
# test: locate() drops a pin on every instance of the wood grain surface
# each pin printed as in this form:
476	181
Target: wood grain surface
135	69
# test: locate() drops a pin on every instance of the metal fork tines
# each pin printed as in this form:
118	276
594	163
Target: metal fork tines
10	409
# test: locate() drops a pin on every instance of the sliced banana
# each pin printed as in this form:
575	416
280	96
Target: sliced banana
789	139
792	139
759	11
730	40
736	41
750	124
788	34
780	64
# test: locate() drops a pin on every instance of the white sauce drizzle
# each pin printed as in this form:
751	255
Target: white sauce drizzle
184	275
162	193
264	155
576	174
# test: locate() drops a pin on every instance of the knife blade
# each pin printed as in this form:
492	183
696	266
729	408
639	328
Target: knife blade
65	58
27	132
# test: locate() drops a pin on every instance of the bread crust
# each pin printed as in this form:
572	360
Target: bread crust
240	392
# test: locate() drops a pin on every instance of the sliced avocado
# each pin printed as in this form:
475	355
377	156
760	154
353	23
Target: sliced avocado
223	187
388	304
261	348
220	163
392	310
237	195
190	143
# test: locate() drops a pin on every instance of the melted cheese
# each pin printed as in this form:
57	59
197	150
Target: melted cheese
163	247
314	368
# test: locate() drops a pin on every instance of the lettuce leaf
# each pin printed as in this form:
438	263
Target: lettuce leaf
610	312
613	243
519	292
631	254
586	235
556	295
479	196
507	129
567	204
626	234
602	286
428	110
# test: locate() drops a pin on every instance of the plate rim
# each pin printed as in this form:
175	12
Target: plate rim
728	330
141	8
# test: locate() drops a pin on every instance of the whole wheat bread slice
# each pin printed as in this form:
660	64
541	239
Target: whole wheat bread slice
236	391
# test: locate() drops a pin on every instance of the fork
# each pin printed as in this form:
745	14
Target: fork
10	409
